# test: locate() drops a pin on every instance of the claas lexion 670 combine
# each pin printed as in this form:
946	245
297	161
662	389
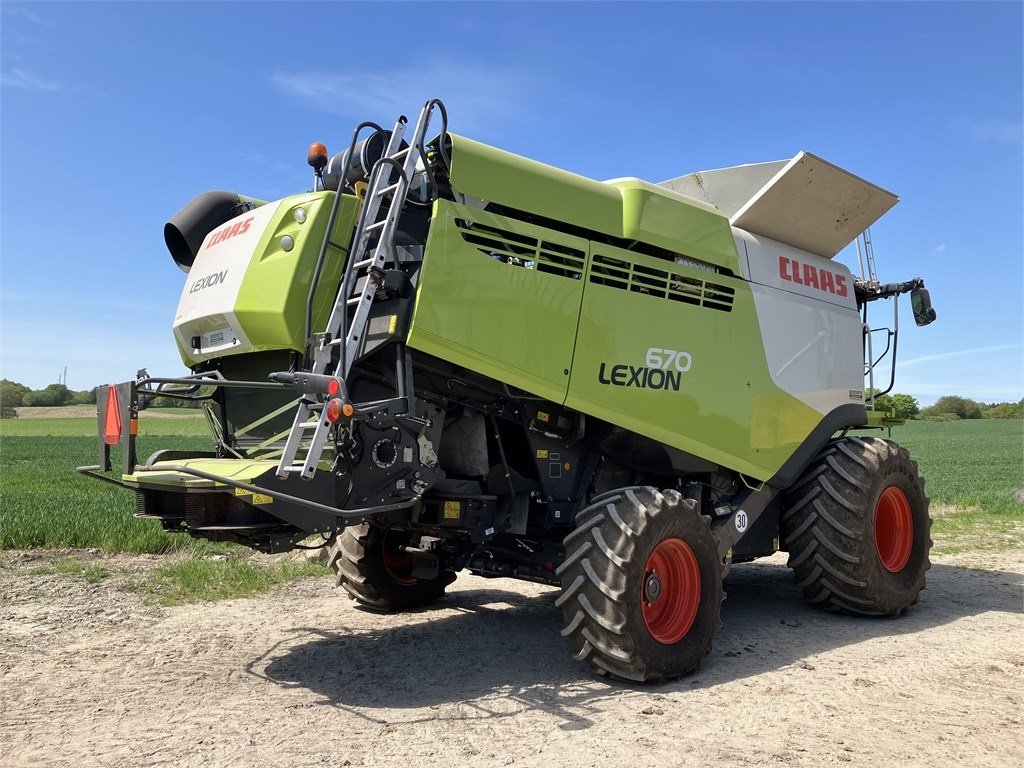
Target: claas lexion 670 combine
448	357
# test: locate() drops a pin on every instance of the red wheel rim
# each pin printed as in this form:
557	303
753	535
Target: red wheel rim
398	564
894	529
670	592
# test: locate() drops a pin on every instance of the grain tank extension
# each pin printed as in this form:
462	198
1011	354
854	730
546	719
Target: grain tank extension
447	357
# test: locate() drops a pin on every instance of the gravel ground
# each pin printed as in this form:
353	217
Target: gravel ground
91	676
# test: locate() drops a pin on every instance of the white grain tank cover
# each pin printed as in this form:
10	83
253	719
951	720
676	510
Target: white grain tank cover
805	202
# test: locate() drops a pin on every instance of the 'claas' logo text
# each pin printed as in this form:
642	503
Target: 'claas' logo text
229	231
793	271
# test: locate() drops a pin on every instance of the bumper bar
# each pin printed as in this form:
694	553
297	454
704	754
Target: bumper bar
344	514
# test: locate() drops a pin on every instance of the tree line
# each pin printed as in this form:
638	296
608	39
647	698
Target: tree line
946	408
14	395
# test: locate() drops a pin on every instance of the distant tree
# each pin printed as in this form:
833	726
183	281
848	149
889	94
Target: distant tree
927	415
12	393
84	397
906	406
173	402
961	407
53	395
882	402
1004	411
8	412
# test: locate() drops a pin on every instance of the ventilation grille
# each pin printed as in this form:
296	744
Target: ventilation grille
616	273
523	251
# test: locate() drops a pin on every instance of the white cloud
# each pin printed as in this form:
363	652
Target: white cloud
992	131
994	374
940	248
479	95
22	12
26	80
958	353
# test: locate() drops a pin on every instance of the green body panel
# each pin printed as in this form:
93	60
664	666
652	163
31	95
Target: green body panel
679	224
627	208
271	305
242	470
516	324
727	409
604	305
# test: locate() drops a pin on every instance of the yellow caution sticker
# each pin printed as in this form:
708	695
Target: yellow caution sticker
542	453
260	498
392	325
542	416
242	492
452	510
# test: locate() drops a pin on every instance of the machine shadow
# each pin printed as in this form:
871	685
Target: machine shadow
504	648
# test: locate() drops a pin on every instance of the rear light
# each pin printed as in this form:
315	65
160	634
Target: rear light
333	387
334	410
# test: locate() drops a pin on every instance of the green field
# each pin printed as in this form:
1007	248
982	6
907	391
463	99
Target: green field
972	471
975	467
45	503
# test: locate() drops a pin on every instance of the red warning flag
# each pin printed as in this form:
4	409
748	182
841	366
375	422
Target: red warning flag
112	425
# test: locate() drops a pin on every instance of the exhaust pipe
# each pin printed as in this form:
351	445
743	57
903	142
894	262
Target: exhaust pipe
341	173
185	232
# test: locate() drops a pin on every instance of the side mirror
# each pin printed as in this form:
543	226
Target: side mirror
921	303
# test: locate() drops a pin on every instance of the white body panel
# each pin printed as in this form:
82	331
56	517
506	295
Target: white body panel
805	202
207	303
812	336
728	189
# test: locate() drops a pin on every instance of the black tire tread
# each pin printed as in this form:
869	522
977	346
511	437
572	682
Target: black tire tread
356	557
833	564
594	579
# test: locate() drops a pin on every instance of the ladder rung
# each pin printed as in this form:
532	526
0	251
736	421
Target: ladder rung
359	286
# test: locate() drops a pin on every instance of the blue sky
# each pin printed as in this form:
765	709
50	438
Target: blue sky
115	115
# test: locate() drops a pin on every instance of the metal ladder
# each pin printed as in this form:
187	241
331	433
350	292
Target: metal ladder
347	325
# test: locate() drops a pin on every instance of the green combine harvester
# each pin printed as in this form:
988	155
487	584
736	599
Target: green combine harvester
448	357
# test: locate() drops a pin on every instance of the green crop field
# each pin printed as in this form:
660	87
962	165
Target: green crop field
973	470
45	503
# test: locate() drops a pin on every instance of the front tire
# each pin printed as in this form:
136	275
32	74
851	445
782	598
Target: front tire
369	565
641	585
857	529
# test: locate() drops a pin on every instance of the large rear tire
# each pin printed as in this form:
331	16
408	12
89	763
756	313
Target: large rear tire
857	529
369	566
641	585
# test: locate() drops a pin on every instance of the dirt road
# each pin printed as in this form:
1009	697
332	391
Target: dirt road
92	677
